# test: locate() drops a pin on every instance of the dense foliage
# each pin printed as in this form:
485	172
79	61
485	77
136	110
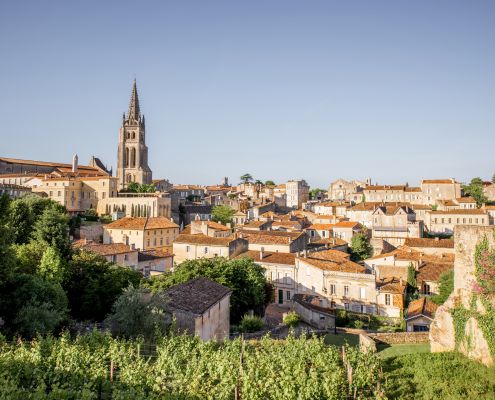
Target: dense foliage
243	276
475	190
360	247
250	323
138	312
292	319
134	187
43	284
437	376
445	287
222	214
182	367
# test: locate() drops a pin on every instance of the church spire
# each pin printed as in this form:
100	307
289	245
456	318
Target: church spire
134	112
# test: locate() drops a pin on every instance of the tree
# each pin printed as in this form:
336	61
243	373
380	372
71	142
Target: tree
33	306
243	276
51	267
4	207
133	187
28	256
314	193
445	287
270	183
138	312
411	276
475	190
93	285
360	247
222	214
246	178
20	221
52	228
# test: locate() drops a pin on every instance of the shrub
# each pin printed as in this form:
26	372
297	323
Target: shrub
250	324
358	324
292	319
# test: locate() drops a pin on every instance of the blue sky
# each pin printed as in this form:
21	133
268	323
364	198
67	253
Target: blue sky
392	90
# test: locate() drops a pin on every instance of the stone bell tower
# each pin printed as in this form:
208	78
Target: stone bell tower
132	157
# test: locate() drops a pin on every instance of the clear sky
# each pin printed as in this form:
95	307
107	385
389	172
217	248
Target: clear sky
392	90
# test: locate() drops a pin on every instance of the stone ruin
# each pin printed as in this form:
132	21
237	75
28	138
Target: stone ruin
442	334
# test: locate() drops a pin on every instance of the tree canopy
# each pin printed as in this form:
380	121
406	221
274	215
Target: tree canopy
246	178
243	276
269	183
475	190
222	214
360	247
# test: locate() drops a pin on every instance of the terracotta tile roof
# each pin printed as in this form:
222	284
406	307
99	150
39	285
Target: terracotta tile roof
204	240
392	271
465	200
427	242
287	224
333	242
329	255
142	223
196	296
347	224
321	227
431	271
270	257
438	181
217	226
45	164
406	253
448	203
187	187
336	266
271	237
255	224
423	306
149	255
391	285
385	187
460	211
332	204
413	189
365	206
106	249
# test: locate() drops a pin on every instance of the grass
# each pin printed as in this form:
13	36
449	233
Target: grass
342	338
387	351
425	376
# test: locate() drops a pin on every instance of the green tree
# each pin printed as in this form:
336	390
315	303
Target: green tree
314	193
446	287
20	221
138	312
93	285
246	178
4	207
33	306
270	183
133	187
412	287
475	190
222	214
28	256
52	228
243	276
52	266
360	247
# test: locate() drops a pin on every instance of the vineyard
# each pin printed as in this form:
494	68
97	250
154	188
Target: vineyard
98	366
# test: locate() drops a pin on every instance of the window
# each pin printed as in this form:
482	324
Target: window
206	250
387	299
363	309
362	293
346	290
346	306
313	289
332	289
125	257
288	294
426	289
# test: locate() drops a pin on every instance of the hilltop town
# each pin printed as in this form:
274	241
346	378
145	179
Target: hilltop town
357	260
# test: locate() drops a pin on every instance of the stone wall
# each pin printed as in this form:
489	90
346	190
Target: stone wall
442	334
366	344
400	337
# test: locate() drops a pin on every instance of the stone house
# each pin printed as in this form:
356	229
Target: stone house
395	223
432	246
440	189
210	228
137	205
143	233
14	191
390	296
279	271
443	222
192	247
342	190
118	253
297	193
155	262
275	241
201	307
420	314
315	311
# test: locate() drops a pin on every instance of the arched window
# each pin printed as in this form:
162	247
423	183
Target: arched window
126	157
134	135
133	158
129	178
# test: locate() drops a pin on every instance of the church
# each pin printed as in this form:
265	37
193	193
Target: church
132	156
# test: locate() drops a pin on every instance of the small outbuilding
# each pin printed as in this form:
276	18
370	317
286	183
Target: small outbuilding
201	307
420	314
314	311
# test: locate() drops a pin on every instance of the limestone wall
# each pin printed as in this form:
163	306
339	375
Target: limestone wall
442	333
400	337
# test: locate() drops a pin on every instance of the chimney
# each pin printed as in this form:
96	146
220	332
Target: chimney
75	160
262	253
